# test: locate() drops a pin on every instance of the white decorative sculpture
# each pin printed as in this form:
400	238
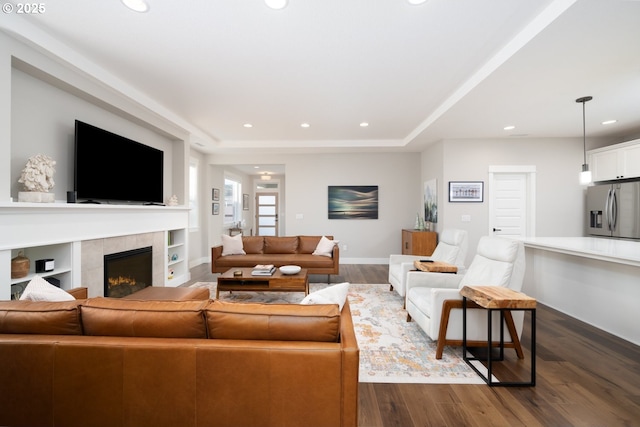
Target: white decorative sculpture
173	201
37	177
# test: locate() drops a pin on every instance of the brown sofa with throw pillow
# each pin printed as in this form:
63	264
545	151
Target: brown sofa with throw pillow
318	254
121	362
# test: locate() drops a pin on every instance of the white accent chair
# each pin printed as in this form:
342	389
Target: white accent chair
433	299
451	248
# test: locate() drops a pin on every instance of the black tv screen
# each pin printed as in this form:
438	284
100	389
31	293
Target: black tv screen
110	167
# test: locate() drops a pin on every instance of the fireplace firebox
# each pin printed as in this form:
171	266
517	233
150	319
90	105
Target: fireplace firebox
127	272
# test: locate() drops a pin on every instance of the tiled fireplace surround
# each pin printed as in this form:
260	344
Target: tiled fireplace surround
93	252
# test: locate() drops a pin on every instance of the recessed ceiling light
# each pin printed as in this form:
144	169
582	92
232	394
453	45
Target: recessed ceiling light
416	2
137	5
364	124
305	125
511	127
276	4
609	122
248	125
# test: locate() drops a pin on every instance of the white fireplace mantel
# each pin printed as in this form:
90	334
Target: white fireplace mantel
34	224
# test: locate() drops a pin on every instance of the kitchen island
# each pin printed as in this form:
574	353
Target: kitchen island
596	280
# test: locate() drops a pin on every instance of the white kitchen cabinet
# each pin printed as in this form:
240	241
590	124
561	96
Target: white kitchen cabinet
619	161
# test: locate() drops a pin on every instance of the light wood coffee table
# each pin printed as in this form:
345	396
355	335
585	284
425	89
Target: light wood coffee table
277	282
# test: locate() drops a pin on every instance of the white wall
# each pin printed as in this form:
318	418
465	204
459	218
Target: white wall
397	176
43	119
47	96
215	223
559	197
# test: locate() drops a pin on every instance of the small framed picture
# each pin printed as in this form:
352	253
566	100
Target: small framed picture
215	194
466	191
245	202
215	208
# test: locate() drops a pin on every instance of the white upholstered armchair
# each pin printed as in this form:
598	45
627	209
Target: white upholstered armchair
451	248
433	299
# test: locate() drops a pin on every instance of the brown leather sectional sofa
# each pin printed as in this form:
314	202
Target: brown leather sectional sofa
118	362
279	251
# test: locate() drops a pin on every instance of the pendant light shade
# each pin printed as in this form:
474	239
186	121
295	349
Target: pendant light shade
585	175
276	4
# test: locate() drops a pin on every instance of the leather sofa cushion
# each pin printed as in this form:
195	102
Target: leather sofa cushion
250	260
277	322
308	244
280	245
253	244
40	317
132	318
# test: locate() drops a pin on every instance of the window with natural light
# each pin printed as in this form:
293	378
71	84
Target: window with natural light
194	218
232	200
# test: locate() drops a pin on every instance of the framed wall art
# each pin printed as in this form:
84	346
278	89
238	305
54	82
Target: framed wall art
353	202
466	191
431	201
215	194
215	208
245	202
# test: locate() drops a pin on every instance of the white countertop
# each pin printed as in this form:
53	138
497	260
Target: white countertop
612	250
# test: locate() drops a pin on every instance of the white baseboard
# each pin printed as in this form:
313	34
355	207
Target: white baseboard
204	260
364	260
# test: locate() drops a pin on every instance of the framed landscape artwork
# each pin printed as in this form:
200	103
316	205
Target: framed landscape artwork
353	202
431	201
466	191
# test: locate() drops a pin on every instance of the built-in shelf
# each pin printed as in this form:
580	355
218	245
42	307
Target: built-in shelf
177	265
62	254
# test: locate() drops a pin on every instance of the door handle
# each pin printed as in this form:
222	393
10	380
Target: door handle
497	229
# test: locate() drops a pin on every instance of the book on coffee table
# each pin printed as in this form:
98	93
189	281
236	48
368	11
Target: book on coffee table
263	270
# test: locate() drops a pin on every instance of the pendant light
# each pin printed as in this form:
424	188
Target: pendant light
276	4
585	175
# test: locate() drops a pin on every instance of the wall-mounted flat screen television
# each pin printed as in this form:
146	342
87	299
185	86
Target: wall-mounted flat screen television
112	168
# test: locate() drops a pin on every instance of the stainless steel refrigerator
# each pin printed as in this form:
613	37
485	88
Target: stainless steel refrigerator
614	210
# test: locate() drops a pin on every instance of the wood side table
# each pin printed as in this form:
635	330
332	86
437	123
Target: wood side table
435	266
502	299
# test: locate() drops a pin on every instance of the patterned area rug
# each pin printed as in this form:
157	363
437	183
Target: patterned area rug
392	350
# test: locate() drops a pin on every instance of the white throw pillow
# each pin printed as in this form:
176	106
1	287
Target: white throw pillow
336	294
39	289
232	245
325	247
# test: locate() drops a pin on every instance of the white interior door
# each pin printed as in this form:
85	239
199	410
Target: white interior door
512	201
267	214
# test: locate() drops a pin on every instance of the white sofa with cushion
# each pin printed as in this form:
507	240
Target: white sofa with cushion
451	248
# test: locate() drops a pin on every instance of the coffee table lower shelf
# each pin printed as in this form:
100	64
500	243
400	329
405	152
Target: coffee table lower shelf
277	282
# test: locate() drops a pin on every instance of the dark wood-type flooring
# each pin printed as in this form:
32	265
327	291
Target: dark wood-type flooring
585	377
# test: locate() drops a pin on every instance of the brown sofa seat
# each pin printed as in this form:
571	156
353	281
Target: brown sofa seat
256	364
279	251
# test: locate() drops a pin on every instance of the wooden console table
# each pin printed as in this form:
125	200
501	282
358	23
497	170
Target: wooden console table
502	299
418	242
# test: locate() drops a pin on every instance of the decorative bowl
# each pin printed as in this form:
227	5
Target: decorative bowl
290	269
